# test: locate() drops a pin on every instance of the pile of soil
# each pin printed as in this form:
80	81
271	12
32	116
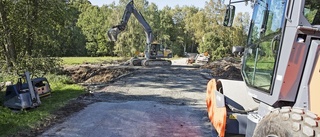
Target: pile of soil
90	74
226	68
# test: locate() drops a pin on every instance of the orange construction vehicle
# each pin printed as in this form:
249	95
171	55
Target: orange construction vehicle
281	73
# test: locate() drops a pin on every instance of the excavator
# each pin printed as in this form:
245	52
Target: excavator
151	57
280	92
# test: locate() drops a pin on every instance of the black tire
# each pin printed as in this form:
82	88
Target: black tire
237	49
288	122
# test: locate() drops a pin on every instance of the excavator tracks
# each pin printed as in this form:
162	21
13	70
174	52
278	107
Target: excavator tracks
156	62
135	62
149	62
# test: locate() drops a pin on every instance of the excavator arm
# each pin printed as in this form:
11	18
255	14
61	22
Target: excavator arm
130	9
151	50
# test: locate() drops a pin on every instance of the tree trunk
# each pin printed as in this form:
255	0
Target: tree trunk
32	21
7	58
7	35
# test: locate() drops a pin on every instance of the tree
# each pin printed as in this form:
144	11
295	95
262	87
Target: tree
8	45
58	28
240	29
43	30
184	32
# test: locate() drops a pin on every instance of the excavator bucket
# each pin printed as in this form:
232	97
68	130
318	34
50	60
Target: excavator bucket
113	34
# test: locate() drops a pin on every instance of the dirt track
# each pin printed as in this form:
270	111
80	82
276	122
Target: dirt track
152	101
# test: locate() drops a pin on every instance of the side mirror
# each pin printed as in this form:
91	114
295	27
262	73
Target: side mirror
238	50
228	18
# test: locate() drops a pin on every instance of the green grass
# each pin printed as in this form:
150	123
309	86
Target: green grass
263	63
11	122
81	60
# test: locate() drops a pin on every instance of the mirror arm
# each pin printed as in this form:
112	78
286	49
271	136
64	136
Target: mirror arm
239	1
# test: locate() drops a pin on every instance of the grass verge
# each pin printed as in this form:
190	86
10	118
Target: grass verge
82	60
12	122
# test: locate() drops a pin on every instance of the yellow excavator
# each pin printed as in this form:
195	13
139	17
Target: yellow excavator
153	51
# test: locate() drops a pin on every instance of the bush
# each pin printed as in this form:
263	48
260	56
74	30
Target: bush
38	66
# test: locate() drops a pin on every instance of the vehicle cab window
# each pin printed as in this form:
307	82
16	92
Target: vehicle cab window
263	43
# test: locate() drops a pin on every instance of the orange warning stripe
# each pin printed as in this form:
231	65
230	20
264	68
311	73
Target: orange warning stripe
217	116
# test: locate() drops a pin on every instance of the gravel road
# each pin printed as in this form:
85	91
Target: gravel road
151	101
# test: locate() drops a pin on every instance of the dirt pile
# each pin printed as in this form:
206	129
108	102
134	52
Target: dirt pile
95	73
226	68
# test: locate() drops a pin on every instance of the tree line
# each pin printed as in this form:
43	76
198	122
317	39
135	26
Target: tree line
34	32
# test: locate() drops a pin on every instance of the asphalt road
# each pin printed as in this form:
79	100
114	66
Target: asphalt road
153	101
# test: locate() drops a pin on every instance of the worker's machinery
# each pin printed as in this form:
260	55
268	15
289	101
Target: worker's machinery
162	52
42	86
281	72
26	93
151	56
199	59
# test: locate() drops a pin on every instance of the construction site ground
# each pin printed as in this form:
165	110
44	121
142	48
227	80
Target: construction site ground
139	101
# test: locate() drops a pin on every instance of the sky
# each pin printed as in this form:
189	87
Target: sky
172	3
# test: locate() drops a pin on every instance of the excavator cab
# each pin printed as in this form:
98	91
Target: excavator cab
154	48
157	50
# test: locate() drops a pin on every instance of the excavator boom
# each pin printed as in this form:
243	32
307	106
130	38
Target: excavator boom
130	9
151	50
